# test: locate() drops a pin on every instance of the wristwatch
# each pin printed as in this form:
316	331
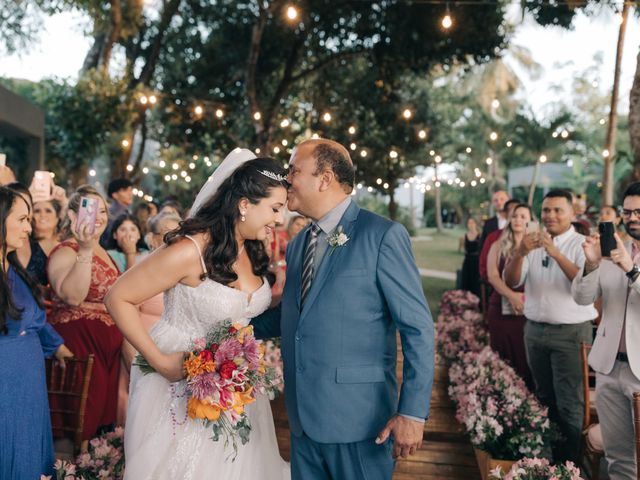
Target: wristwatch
633	273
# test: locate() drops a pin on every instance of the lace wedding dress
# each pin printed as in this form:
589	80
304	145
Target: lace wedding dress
161	442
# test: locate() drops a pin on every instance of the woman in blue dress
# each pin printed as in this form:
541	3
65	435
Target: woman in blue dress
26	444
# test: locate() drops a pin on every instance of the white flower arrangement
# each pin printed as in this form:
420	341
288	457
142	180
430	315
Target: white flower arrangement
337	239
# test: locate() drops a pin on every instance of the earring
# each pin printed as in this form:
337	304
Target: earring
242	217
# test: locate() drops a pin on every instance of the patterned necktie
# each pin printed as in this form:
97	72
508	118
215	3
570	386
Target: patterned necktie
307	266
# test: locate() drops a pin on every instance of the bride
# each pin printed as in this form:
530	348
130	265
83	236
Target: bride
213	267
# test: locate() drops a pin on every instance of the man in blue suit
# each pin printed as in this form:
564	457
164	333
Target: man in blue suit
351	283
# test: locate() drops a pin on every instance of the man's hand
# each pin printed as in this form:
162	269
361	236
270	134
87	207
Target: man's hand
620	256
407	435
529	242
592	253
549	246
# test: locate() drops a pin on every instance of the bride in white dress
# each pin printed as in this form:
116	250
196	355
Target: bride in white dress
213	268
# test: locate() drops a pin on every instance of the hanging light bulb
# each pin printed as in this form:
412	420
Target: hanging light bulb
447	21
292	12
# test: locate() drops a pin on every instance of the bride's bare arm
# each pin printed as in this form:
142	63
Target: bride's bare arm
164	268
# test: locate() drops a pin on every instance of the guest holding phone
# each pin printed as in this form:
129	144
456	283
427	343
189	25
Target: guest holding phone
81	273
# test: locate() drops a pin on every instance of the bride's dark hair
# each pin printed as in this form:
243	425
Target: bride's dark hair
218	217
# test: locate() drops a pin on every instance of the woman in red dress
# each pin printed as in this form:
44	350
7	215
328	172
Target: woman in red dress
506	306
81	273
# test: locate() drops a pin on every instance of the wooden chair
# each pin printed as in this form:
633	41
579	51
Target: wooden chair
591	448
636	422
68	387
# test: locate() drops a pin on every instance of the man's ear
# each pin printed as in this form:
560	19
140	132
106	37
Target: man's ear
327	178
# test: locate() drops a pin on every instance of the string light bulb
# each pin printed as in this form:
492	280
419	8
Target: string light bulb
326	117
489	161
153	99
285	123
447	21
422	134
407	114
352	130
257	116
493	136
292	12
198	110
543	159
144	100
125	143
219	113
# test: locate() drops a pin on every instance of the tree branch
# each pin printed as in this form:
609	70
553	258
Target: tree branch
114	32
325	63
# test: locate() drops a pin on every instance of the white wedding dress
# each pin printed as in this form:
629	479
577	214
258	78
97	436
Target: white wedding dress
161	442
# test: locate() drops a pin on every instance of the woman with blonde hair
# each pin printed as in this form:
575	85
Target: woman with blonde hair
81	273
506	305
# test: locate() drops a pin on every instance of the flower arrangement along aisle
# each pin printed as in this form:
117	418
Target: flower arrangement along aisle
224	373
501	416
537	469
103	460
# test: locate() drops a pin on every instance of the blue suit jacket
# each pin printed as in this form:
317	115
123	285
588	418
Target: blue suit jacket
339	351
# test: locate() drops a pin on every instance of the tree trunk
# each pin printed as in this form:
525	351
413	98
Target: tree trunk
92	59
608	179
634	120
77	176
534	180
114	33
393	205
438	202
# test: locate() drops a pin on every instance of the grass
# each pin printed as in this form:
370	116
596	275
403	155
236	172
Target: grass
433	290
441	251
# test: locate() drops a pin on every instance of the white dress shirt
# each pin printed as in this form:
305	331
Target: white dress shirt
547	289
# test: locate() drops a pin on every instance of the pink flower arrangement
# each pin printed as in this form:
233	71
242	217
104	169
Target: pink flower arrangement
537	469
103	461
500	414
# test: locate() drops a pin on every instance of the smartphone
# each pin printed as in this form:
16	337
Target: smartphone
87	214
533	227
42	184
3	159
607	240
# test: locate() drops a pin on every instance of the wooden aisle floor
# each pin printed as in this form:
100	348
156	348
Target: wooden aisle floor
446	453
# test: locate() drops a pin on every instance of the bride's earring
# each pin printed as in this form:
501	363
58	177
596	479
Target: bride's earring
242	217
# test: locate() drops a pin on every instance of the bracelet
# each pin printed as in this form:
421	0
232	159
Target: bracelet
81	259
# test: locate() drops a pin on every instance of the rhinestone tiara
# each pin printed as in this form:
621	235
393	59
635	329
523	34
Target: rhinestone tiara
272	175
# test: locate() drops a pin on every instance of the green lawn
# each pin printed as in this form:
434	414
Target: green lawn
433	290
441	251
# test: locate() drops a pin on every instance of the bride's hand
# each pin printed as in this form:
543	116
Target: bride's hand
170	366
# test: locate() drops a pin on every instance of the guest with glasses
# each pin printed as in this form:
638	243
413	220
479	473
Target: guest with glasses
546	263
616	362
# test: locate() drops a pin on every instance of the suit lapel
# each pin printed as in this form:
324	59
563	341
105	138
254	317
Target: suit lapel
330	260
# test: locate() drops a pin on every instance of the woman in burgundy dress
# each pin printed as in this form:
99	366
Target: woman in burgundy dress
81	273
505	318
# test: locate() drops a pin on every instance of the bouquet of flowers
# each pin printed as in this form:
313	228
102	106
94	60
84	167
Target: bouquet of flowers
224	373
537	469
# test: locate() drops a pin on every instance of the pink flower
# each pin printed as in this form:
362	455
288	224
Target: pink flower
252	351
204	385
228	350
199	344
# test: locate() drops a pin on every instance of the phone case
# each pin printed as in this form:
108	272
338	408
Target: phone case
42	183
87	214
607	240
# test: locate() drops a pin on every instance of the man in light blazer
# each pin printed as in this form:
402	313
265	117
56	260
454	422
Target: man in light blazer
352	283
615	355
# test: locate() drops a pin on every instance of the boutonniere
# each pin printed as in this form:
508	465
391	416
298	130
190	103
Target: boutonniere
337	239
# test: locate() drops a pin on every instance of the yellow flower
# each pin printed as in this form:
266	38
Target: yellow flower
242	331
199	409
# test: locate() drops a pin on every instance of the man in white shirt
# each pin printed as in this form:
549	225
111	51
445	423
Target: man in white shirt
547	262
613	356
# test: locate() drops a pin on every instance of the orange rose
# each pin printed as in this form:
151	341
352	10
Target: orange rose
198	409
